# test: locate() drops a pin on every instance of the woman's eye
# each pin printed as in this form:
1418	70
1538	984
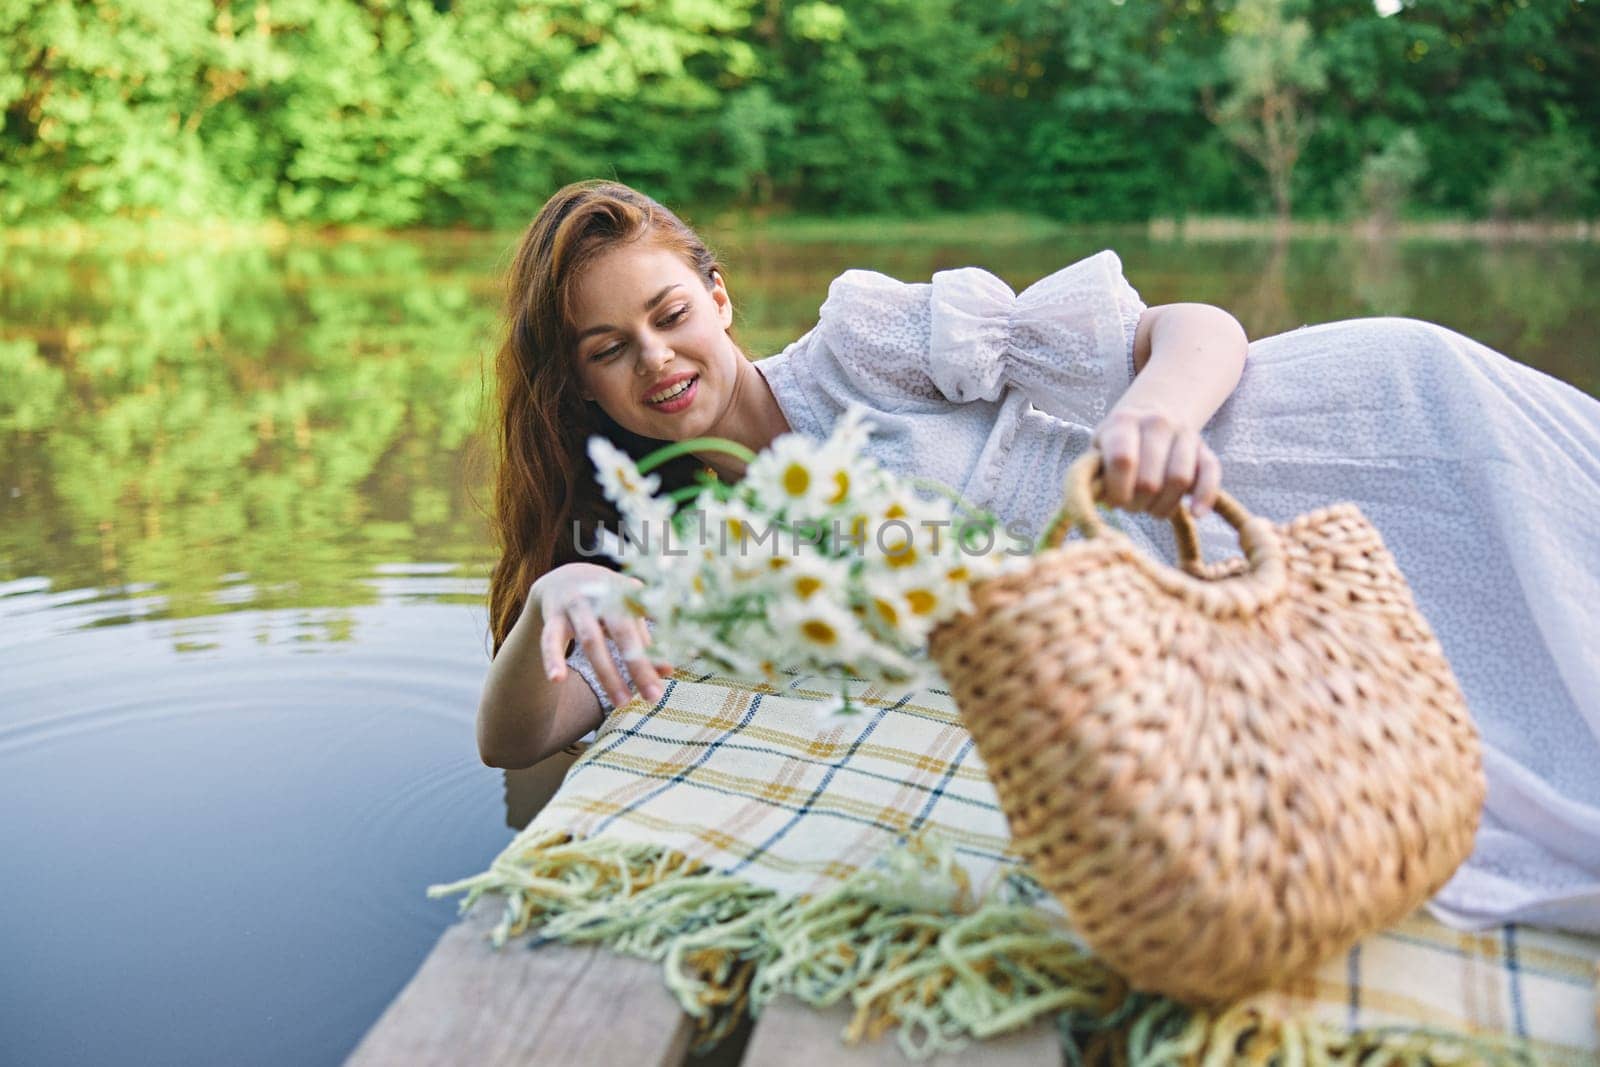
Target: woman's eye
670	320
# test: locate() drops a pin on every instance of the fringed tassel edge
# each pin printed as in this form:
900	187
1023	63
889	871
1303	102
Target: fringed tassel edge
911	950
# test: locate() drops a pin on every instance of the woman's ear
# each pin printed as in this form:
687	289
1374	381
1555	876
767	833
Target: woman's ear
724	302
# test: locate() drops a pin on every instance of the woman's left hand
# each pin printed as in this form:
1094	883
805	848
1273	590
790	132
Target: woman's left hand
1150	461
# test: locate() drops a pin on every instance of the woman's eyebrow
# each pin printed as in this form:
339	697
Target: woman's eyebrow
652	302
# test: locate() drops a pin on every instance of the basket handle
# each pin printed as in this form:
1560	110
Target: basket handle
1217	588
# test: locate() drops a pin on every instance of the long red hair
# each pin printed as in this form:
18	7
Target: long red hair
546	500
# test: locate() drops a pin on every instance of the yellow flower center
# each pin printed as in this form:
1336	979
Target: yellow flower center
895	512
886	611
796	479
921	601
842	480
902	555
807	584
819	632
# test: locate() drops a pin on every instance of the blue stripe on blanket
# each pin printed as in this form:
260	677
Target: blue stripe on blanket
1519	1018
777	835
938	791
681	776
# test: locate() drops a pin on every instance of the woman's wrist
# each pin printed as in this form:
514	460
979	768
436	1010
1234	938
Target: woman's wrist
1197	355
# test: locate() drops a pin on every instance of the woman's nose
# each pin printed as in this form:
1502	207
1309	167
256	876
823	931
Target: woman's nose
652	357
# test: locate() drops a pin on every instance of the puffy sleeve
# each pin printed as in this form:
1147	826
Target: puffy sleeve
1066	341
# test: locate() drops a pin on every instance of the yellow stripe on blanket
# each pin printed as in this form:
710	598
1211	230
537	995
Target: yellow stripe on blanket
755	850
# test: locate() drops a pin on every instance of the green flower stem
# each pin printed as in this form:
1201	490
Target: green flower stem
732	615
954	497
670	452
686	492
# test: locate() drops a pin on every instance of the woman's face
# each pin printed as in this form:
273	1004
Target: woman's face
648	328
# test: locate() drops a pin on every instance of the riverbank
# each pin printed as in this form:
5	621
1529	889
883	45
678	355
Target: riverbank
1002	227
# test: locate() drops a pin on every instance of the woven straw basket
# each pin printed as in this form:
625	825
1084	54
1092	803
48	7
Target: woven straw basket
1226	773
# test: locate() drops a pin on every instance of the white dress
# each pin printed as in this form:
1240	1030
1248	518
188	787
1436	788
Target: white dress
1483	476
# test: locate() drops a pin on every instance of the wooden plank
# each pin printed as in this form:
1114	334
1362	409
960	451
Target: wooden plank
556	1004
789	1032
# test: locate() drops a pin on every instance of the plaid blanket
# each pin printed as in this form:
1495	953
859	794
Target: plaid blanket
749	781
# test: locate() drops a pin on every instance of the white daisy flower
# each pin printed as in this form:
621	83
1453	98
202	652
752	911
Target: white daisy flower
805	575
893	612
741	542
844	471
619	477
788	478
818	630
852	430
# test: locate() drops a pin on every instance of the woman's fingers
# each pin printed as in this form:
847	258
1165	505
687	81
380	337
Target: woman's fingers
553	641
1207	482
1179	476
630	636
1118	441
1155	448
593	640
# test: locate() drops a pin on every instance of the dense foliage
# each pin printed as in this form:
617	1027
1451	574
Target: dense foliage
399	112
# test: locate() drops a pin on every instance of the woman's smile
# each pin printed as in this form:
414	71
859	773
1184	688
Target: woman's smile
674	393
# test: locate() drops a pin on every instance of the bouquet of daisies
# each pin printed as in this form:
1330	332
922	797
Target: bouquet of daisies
818	560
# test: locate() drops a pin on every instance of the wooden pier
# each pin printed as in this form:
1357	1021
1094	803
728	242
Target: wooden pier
575	1005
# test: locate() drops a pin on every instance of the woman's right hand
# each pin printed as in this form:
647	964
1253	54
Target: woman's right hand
568	605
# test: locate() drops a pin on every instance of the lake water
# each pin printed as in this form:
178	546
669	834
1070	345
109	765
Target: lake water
241	569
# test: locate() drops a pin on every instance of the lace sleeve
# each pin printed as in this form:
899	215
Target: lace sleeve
579	661
877	329
1066	341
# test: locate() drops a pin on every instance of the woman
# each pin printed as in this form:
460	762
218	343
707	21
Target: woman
1482	474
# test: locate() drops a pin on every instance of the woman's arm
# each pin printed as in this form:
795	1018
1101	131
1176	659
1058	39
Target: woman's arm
1187	359
524	715
532	703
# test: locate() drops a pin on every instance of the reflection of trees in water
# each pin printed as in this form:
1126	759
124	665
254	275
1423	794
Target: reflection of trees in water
1378	277
290	415
1266	307
296	414
1547	287
1526	300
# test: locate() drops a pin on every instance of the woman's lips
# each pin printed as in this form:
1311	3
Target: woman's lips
680	401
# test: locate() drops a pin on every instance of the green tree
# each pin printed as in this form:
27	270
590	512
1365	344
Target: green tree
1388	177
1553	175
1273	74
884	100
1094	110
